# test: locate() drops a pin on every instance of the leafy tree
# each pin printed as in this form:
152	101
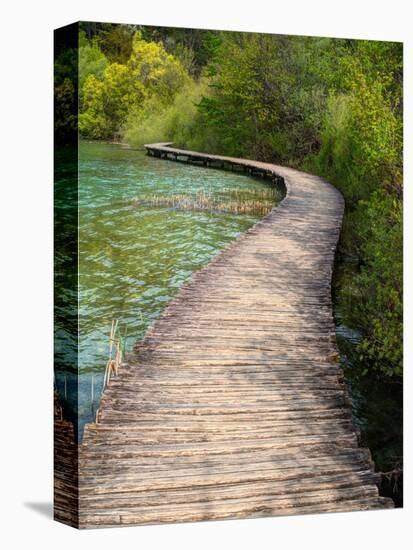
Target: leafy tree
123	88
192	47
92	121
116	42
92	60
174	122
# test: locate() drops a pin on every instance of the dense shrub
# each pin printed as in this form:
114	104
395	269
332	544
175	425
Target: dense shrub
107	99
175	122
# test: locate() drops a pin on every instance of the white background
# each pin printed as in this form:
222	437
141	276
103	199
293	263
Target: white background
26	270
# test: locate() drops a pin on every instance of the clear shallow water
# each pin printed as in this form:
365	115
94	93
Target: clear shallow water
132	257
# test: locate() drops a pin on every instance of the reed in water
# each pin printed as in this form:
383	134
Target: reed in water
229	201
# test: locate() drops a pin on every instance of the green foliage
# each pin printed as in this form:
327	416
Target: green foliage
331	106
108	99
260	105
157	71
114	40
361	153
92	60
65	97
362	137
193	47
92	121
116	43
380	282
65	109
176	122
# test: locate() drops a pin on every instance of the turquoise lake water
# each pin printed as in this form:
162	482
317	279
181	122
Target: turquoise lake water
134	257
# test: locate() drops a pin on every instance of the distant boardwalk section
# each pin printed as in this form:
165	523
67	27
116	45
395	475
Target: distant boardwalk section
234	405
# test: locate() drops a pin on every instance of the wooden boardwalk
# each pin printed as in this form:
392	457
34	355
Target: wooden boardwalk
234	404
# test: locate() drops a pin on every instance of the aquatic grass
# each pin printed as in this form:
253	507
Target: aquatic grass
116	351
227	201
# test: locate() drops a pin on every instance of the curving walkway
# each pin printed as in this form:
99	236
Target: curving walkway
234	404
